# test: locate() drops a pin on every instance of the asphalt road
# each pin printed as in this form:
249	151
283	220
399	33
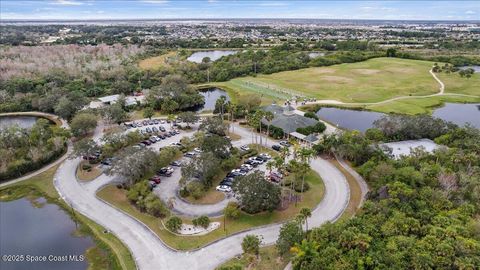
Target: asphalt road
151	253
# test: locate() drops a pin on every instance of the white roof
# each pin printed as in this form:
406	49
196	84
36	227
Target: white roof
404	148
298	135
109	99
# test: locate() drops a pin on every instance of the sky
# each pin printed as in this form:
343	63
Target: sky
204	9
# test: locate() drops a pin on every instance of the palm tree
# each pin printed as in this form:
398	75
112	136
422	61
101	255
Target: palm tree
170	118
270	165
306	213
269	117
304	252
305	154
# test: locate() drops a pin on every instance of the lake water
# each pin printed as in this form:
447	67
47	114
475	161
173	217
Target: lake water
349	119
197	57
459	114
21	121
476	68
211	96
39	231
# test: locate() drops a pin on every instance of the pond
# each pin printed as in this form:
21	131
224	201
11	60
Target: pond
197	57
349	119
26	229
459	114
476	68
21	121
211	95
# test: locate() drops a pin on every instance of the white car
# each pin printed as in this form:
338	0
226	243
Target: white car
267	156
245	147
162	121
198	150
224	188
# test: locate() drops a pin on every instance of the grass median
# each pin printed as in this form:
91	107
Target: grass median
311	199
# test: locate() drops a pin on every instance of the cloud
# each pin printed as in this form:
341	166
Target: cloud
67	3
470	12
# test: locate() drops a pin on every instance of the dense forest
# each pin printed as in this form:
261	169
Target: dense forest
422	211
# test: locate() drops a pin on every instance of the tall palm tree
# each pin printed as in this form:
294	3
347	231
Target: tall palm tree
306	213
305	155
269	117
270	165
170	118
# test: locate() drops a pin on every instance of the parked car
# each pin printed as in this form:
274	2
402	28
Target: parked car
275	177
156	179
152	140
285	143
155	129
162	129
156	121
107	162
176	144
152	184
265	156
247	166
165	172
245	148
253	163
189	154
162	136
147	142
162	121
176	163
227	182
148	129
224	188
276	147
198	150
258	159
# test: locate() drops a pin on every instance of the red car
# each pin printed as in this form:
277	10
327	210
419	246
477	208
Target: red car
147	142
156	179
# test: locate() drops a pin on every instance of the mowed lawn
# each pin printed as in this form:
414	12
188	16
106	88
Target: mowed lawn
369	81
456	84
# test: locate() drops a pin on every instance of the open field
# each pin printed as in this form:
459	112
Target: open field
43	185
374	80
311	198
156	62
456	84
369	81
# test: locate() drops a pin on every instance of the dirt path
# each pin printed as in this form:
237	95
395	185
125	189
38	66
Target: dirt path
441	92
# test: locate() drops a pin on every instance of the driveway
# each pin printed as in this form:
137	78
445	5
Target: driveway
151	253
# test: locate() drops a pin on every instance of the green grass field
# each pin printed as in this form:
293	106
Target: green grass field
369	81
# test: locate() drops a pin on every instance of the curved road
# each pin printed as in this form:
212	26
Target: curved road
151	253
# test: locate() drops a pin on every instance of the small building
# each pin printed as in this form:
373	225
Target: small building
286	119
129	100
405	148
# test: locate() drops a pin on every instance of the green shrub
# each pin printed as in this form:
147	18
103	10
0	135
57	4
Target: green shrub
202	221
174	224
86	167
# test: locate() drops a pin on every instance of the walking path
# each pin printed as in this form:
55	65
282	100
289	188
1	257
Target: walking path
441	92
